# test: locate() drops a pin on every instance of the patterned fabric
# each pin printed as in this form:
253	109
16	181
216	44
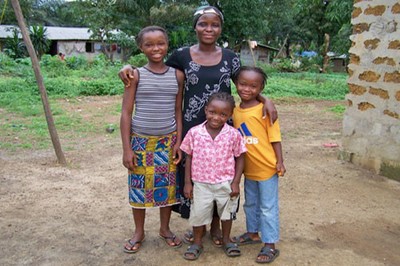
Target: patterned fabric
201	82
213	161
153	182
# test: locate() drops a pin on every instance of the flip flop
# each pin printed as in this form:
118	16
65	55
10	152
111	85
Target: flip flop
217	241
270	253
188	237
171	244
194	250
232	250
245	239
133	244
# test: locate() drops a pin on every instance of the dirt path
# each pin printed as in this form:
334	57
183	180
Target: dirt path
332	212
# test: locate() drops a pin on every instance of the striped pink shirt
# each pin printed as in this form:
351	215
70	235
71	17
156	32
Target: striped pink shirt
213	161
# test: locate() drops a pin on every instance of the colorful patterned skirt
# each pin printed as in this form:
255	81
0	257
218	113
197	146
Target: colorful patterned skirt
154	182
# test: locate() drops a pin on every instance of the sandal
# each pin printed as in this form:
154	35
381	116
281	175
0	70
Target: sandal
193	252
270	253
188	237
170	240
232	250
216	240
245	239
129	247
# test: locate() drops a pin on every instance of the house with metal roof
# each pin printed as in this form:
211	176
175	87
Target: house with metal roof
252	52
70	41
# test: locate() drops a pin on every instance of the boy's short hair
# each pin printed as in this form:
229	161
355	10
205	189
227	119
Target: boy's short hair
251	68
224	97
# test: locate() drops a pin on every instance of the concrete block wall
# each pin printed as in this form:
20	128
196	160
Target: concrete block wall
371	124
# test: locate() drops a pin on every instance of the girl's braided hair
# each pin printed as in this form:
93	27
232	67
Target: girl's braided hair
258	70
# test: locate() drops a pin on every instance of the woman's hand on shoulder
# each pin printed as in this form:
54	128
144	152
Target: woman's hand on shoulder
270	110
126	74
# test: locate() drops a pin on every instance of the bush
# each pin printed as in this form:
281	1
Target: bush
76	62
7	64
138	60
100	87
100	60
53	66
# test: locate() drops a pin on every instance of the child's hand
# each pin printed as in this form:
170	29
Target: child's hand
235	190
188	190
129	160
177	154
280	169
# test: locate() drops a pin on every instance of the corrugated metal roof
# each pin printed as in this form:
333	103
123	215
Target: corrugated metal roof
54	33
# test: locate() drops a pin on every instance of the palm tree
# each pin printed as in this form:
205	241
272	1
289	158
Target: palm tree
39	39
14	47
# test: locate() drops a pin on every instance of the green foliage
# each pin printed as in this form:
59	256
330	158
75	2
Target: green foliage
15	47
76	62
307	85
100	87
50	63
314	18
338	110
138	60
6	63
127	44
39	40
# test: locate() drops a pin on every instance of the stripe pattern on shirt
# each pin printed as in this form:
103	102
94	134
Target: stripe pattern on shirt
155	103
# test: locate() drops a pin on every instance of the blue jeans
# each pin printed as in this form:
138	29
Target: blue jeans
262	209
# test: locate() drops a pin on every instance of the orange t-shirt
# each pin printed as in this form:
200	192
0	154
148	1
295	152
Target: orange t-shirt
260	159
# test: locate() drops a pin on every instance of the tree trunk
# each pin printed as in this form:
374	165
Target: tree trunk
39	80
325	51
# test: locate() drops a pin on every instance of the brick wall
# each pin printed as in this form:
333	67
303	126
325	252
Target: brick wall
371	124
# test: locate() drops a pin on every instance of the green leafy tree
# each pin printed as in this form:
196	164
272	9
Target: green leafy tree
14	46
314	18
243	20
103	18
127	44
39	40
177	20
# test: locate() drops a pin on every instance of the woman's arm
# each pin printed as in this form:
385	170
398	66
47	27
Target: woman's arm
126	74
268	109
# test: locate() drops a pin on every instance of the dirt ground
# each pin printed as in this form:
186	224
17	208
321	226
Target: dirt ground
332	212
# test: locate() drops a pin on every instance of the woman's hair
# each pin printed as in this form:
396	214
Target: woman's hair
258	70
222	96
139	37
206	10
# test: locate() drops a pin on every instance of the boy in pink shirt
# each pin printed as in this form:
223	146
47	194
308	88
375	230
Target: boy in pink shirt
214	163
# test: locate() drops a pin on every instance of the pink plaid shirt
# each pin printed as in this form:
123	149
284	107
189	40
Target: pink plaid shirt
213	161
